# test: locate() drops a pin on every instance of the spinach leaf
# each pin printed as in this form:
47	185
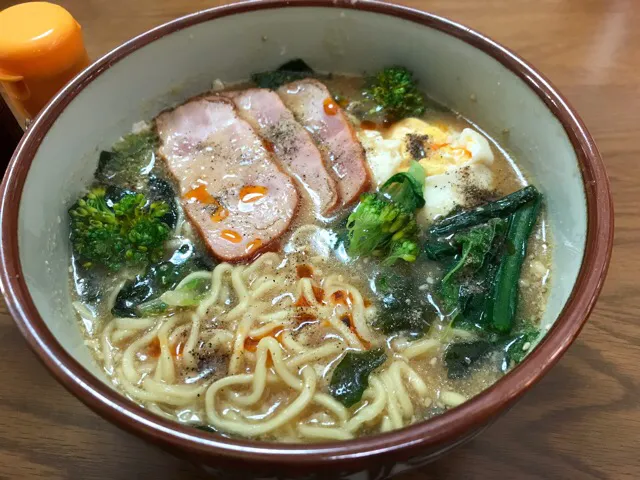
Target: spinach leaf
158	278
130	159
459	219
460	357
514	347
162	190
406	188
438	250
504	298
476	244
396	292
351	377
394	316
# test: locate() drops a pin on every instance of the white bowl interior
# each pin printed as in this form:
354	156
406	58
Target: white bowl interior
186	62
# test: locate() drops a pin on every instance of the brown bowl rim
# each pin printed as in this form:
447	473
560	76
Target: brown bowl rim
444	428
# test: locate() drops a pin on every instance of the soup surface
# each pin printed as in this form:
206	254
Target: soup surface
318	259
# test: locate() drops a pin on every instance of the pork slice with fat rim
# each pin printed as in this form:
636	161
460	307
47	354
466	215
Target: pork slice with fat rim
312	105
291	143
231	189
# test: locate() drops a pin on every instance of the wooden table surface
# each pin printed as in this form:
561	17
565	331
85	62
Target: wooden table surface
582	421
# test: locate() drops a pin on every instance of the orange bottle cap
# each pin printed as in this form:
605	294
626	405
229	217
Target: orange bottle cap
37	38
41	48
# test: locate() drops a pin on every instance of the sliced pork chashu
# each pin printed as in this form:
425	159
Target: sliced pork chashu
232	190
292	144
312	105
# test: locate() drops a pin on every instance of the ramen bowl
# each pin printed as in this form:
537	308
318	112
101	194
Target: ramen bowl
460	68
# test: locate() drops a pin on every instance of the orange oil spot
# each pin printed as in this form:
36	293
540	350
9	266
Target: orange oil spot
252	193
251	343
330	106
369	125
253	245
340	297
305	317
347	320
220	214
463	151
268	146
318	293
304	270
438	146
302	302
200	194
366	302
231	236
153	349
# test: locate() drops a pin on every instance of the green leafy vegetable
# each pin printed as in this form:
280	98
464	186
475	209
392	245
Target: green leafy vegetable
135	297
129	159
395	94
161	190
459	357
516	347
475	244
291	71
503	207
439	250
395	291
351	377
140	296
504	299
394	317
384	223
406	188
188	293
114	234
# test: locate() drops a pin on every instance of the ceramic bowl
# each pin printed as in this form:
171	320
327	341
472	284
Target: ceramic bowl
463	69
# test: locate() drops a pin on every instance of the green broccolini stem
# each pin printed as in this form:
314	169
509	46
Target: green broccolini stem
504	300
481	214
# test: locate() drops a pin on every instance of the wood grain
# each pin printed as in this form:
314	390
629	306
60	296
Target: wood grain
581	422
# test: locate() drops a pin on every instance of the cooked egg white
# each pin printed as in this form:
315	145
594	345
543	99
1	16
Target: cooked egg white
453	161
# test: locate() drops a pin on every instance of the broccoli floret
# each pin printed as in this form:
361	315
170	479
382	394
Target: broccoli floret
372	224
384	223
406	249
395	94
114	234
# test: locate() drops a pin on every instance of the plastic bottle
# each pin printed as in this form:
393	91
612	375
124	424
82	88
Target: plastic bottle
41	49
